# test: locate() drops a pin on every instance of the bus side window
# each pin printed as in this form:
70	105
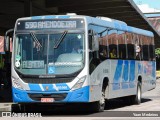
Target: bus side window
103	51
121	44
112	51
122	51
145	48
151	49
113	44
130	46
141	46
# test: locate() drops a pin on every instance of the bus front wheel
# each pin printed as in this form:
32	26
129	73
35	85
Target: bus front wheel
139	94
137	98
17	108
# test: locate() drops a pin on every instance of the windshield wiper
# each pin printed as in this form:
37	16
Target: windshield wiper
61	39
35	39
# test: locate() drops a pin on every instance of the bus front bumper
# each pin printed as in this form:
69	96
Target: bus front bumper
79	95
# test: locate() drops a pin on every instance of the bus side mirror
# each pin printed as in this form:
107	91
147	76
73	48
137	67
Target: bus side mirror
7	40
93	41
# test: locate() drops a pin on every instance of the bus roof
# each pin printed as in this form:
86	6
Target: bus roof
102	21
116	24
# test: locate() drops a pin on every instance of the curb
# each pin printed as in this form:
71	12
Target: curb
5	106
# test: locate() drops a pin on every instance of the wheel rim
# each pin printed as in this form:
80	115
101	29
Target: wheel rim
139	94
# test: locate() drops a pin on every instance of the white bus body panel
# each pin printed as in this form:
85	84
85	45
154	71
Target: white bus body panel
123	76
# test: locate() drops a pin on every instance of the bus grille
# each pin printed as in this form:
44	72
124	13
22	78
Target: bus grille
47	80
56	96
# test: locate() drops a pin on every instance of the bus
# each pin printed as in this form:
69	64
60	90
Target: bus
67	59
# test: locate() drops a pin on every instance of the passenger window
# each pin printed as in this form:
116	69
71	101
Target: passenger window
130	46
112	43
145	48
137	47
103	50
151	49
121	44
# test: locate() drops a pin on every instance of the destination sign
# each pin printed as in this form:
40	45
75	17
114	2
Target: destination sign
50	24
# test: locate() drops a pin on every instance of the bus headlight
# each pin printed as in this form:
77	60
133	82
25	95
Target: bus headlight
16	84
79	83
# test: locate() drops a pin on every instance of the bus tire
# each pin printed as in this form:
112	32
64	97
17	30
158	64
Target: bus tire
137	98
99	106
14	107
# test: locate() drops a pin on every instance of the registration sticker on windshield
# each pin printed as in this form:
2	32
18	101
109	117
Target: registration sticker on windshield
33	64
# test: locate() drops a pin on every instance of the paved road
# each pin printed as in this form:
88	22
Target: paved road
115	109
150	104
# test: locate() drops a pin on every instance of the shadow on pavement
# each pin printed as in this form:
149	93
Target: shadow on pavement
74	109
120	103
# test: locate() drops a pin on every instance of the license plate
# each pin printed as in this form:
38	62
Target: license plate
47	99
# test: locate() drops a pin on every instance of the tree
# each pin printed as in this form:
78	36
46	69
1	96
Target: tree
157	51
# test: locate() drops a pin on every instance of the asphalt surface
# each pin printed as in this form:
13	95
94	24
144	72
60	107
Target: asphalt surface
115	109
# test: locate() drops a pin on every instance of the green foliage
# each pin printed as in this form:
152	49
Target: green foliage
157	51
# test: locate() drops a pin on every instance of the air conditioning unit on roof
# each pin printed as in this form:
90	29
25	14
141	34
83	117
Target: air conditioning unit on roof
71	14
104	18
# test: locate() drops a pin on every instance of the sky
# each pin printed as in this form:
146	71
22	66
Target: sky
148	6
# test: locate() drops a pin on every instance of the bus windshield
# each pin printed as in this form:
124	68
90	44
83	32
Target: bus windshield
49	54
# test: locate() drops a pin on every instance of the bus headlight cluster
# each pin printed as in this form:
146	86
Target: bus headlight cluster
16	84
79	83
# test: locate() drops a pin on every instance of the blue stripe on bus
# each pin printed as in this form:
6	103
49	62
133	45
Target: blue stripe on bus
125	71
34	87
153	69
139	68
49	87
128	80
132	74
117	75
125	75
79	95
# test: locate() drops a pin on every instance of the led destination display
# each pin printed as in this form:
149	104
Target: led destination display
50	24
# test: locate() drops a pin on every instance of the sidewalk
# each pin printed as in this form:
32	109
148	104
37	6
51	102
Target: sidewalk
5	106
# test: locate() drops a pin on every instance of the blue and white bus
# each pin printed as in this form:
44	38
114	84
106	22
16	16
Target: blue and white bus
68	59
